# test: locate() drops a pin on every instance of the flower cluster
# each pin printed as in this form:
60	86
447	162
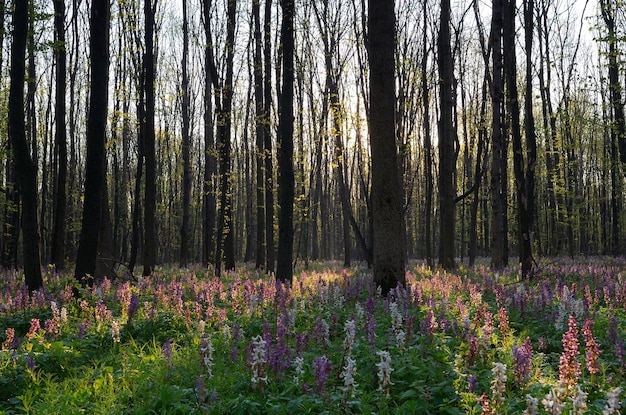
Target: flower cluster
613	405
115	331
522	362
552	402
297	363
579	401
384	371
569	369
206	354
321	370
592	349
532	406
259	358
498	384
396	324
347	374
350	329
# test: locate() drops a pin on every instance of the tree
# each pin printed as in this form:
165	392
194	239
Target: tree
210	167
388	251
186	144
150	247
447	139
499	243
25	167
260	137
225	246
286	183
269	164
96	136
60	202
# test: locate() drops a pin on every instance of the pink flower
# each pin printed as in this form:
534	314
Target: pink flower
592	349
569	369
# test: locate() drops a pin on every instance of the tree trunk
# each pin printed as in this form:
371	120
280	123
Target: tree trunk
60	202
25	168
498	145
225	247
210	165
260	138
286	190
96	136
269	165
150	243
447	138
389	255
186	144
428	156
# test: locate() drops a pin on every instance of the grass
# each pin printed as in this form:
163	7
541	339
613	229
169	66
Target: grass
445	335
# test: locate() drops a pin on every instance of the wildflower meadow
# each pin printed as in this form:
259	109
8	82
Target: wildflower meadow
184	342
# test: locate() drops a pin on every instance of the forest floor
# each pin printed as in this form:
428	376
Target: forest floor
184	342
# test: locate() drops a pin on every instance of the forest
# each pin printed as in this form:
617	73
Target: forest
508	128
312	206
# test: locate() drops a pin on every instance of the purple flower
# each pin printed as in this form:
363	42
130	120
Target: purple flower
201	391
321	370
167	350
133	306
472	383
522	361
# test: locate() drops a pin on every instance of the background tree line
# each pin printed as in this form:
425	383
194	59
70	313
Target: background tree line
196	107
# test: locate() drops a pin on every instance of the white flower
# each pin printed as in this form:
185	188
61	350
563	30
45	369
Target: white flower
206	351
258	360
115	331
347	374
552	403
498	384
297	364
579	401
532	406
360	313
348	342
613	405
63	315
384	371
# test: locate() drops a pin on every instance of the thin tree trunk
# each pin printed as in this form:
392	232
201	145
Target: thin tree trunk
25	168
60	202
260	138
150	243
96	135
186	144
269	165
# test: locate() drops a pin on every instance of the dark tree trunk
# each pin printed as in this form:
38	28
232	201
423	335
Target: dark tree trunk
498	144
25	167
615	89
286	183
225	247
210	165
150	243
96	136
60	202
186	144
447	138
388	252
428	155
260	138
269	165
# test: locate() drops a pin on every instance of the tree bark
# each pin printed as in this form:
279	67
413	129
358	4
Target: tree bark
210	165
150	243
96	136
260	138
60	202
269	164
499	243
286	183
25	168
186	144
388	252
447	138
